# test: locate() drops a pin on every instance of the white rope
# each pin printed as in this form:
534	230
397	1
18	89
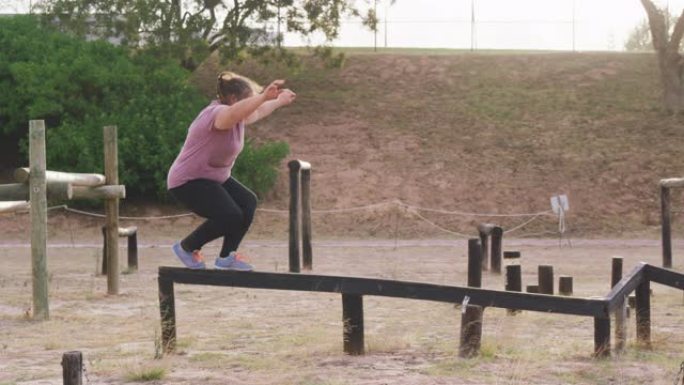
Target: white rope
413	210
438	226
522	225
463	213
358	208
125	217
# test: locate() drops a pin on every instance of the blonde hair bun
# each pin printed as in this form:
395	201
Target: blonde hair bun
227	75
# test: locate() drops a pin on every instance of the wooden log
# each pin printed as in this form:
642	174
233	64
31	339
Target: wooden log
167	310
294	253
72	368
565	285
601	337
545	279
511	255
111	159
127	231
672	182
496	249
387	288
474	263
532	288
56	191
666	225
352	317
38	197
486	228
14	206
21	175
471	331
307	253
102	192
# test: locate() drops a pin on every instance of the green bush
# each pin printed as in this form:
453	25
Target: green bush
78	87
256	166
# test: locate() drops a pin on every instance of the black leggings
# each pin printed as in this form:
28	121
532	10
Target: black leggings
228	207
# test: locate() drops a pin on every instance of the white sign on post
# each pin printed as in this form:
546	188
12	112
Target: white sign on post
559	202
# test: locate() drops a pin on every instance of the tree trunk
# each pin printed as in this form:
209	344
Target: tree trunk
673	92
669	59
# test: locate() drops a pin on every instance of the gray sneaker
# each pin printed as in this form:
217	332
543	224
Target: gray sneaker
233	261
192	260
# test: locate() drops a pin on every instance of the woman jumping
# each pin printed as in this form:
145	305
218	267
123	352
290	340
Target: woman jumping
200	177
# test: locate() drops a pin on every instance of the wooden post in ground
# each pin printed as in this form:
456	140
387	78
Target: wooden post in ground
666	229
620	312
72	368
545	279
497	247
471	315
474	263
352	317
471	331
307	253
167	310
565	285
111	159
294	216
484	244
104	250
643	313
133	251
601	337
38	199
513	281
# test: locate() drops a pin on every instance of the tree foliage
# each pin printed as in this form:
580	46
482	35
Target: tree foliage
78	87
189	30
639	40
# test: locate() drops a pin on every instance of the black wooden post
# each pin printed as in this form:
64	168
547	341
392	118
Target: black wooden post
352	317
294	216
513	281
72	368
620	313
616	271
512	255
665	209
484	252
565	285
104	250
471	331
167	309
497	243
133	251
643	313
307	256
545	279
601	337
474	263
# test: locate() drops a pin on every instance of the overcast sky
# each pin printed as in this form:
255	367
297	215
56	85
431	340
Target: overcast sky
499	24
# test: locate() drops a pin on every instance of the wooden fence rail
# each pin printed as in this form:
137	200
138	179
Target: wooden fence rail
353	288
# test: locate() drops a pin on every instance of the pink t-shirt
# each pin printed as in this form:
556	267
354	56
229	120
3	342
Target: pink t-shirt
207	153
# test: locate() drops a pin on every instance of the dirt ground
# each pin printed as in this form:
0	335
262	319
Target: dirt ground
259	337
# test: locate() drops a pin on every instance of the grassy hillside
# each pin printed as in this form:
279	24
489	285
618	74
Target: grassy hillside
485	133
